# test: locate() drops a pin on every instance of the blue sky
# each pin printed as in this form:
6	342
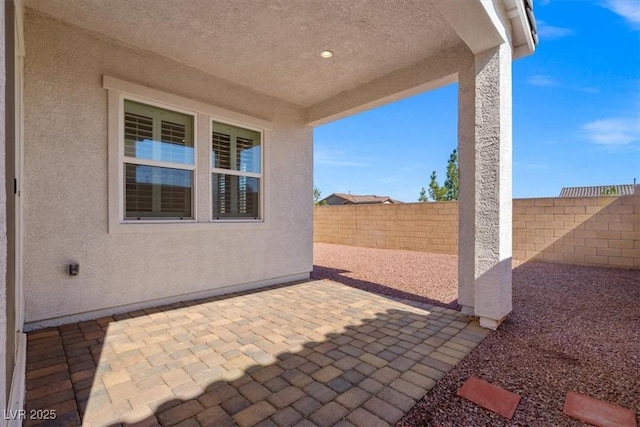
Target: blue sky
576	115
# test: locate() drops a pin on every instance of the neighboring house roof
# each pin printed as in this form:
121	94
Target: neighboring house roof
355	199
598	190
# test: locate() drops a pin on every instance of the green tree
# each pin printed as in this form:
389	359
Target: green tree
317	194
436	192
423	196
452	182
611	191
449	191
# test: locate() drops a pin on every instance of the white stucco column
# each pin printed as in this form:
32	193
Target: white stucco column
484	145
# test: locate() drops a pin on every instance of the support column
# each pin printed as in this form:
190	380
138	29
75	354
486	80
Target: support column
485	198
467	183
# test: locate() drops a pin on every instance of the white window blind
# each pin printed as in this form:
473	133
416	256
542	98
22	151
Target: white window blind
158	163
236	162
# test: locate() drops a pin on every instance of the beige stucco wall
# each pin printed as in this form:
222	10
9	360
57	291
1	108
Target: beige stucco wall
599	231
5	329
66	184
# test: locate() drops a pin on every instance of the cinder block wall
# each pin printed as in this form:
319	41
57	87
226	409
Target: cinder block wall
599	231
428	227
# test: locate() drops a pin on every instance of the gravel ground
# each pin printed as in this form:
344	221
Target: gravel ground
571	329
421	276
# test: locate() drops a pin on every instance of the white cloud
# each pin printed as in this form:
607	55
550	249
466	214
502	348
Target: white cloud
628	9
530	165
613	131
389	180
342	163
550	32
338	158
542	80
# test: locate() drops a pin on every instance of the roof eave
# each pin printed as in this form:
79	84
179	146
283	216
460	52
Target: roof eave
520	14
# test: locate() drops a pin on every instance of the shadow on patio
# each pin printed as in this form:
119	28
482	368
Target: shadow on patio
346	278
572	328
317	351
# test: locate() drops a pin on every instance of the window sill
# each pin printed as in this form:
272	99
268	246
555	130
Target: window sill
159	221
159	227
235	221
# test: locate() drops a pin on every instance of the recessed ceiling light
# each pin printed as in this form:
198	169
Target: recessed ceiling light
326	54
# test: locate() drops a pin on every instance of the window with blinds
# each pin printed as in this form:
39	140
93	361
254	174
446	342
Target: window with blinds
236	165
158	163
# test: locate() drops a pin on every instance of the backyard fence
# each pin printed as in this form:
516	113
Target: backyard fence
598	231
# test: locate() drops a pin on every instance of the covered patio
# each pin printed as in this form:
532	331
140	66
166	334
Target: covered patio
162	151
317	352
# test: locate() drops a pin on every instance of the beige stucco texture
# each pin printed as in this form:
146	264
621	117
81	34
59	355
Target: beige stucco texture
370	38
4	330
66	186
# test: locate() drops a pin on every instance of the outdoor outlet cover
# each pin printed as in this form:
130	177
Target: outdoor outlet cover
74	269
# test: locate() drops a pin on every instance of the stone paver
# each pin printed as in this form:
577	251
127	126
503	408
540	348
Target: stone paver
312	353
363	418
597	412
353	398
490	396
254	414
329	414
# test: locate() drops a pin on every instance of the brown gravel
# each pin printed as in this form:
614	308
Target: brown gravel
571	329
421	276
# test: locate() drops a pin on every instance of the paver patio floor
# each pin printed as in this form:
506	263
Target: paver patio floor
312	353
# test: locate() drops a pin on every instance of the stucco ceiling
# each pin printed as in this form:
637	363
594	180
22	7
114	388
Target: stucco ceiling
273	46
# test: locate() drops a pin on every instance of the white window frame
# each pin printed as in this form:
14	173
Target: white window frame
118	91
260	175
157	163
